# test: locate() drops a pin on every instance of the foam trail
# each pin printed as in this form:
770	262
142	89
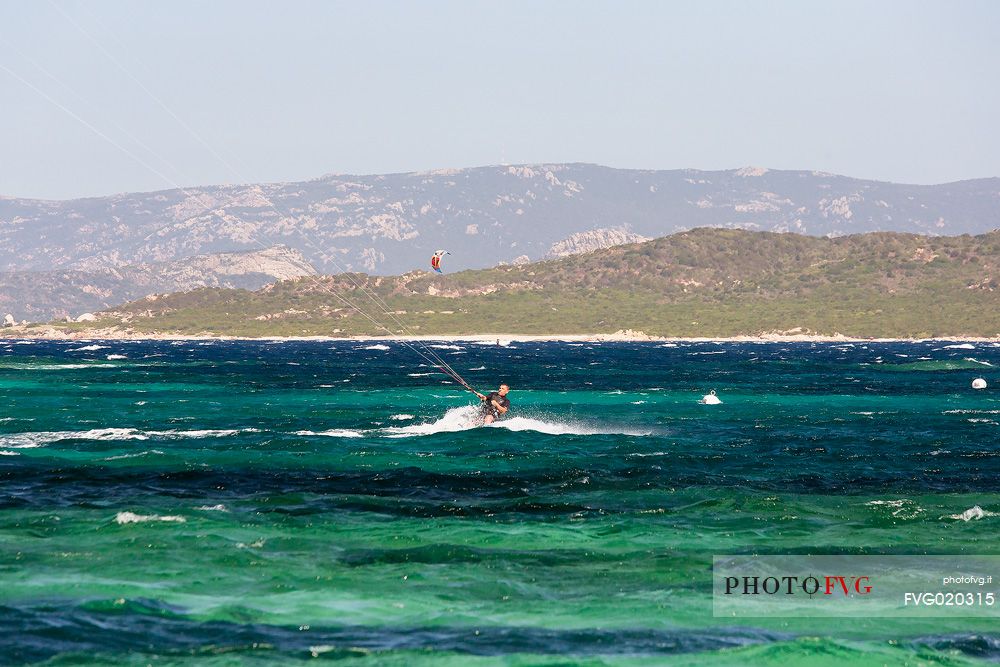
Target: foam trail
466	417
561	428
456	419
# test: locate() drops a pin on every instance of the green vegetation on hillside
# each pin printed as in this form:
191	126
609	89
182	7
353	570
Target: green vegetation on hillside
707	282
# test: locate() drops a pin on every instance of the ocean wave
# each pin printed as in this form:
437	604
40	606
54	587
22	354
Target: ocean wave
257	544
123	518
133	456
901	508
31	439
212	508
446	347
54	367
401	417
201	433
333	433
376	347
973	513
940	365
113	357
88	348
38	438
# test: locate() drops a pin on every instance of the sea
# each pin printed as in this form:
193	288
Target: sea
210	502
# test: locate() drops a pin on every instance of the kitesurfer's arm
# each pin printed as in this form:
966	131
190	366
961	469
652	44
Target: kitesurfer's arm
499	407
482	397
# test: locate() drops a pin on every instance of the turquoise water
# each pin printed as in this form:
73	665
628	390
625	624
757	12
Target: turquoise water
207	502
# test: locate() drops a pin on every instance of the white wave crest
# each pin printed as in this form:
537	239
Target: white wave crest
975	512
123	518
960	346
501	342
376	347
31	439
334	433
88	348
113	357
38	438
133	456
401	418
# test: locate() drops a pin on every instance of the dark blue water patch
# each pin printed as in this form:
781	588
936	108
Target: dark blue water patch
416	492
39	632
975	645
804	368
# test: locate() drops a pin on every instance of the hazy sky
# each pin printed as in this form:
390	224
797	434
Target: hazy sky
290	90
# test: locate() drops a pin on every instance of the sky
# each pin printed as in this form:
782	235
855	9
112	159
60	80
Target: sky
105	96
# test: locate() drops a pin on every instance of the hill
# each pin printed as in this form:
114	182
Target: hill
705	282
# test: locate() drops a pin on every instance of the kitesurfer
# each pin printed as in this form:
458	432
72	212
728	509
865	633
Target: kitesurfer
495	404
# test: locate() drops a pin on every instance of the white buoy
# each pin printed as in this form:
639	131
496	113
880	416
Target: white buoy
710	399
979	383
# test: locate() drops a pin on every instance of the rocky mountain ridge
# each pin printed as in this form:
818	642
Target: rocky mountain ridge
485	216
44	295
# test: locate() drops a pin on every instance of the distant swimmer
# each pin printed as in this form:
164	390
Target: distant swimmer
495	404
710	399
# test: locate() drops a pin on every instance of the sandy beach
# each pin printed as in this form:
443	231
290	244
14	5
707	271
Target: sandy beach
620	336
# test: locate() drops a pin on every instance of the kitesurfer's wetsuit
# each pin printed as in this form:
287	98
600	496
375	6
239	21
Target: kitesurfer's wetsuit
490	409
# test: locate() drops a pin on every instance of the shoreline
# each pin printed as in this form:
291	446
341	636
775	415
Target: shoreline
626	336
